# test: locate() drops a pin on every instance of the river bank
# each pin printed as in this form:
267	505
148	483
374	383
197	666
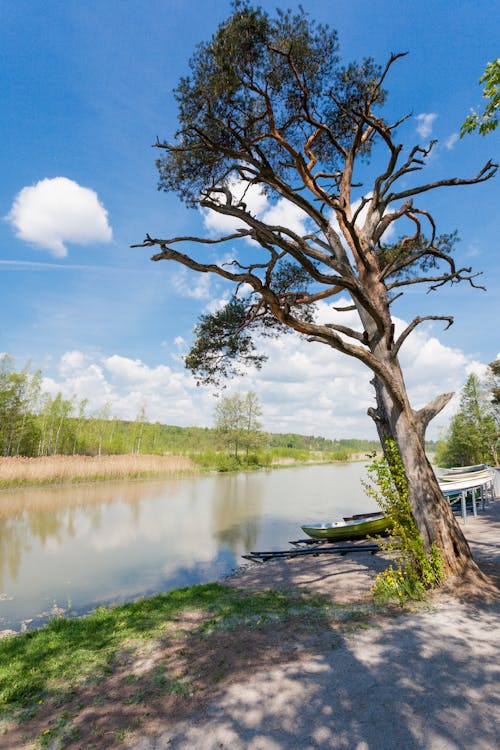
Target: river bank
65	548
20	471
238	665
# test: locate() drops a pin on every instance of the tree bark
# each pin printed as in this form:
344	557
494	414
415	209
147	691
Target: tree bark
433	515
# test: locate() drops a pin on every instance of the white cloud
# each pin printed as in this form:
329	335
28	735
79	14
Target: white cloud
126	369
449	142
304	387
286	214
191	285
282	212
71	362
254	198
126	385
88	382
56	211
217	303
425	123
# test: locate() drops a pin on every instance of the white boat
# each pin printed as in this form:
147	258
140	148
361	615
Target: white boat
474	477
471	486
463	469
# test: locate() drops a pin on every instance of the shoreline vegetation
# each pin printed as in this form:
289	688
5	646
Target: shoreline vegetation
35	424
22	471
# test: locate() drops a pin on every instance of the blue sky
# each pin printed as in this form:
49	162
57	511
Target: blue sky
86	89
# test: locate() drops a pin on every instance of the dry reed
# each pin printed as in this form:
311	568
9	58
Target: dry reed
53	469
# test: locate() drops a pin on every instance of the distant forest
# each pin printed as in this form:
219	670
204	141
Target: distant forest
33	423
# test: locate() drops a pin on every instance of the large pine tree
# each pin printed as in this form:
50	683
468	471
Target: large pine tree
269	107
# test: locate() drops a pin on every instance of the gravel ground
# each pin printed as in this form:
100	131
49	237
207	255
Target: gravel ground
426	680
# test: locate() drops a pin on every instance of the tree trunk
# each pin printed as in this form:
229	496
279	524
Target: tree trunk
433	515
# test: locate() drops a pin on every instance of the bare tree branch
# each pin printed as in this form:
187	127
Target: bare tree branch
150	242
361	337
411	327
427	413
486	173
463	274
412	164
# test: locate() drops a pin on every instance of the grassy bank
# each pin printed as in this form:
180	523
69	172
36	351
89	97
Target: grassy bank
19	471
159	654
272	457
48	662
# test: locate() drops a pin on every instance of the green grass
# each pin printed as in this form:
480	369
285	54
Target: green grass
217	461
51	661
261	459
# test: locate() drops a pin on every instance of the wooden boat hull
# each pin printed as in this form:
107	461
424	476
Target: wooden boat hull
352	529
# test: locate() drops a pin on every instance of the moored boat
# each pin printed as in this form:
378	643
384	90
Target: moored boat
468	489
473	477
352	527
463	469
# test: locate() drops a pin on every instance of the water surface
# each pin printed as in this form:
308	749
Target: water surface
73	547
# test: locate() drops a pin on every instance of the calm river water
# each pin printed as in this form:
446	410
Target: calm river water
73	547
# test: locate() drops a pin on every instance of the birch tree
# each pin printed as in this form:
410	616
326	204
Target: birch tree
236	422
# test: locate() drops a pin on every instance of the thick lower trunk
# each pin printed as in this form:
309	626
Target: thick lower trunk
433	515
395	418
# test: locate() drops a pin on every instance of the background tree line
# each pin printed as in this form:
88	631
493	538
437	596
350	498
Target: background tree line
473	436
34	423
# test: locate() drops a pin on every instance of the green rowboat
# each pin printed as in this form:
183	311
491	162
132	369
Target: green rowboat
354	527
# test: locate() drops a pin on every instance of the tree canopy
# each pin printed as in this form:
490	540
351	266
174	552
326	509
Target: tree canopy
474	431
269	106
494	385
487	121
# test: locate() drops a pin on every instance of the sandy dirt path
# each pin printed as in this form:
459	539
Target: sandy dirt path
427	680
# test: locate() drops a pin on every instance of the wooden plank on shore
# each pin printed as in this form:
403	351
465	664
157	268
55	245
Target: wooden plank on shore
319	550
311	540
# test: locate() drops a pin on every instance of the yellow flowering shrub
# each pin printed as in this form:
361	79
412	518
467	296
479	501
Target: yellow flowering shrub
413	569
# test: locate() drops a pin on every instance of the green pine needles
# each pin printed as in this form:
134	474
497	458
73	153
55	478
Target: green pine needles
413	570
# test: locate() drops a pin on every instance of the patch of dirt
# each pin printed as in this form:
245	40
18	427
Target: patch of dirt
166	682
469	588
343	579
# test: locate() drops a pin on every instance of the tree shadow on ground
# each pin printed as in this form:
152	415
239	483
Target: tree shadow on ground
426	680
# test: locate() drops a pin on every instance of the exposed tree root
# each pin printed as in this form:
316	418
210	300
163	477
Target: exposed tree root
475	583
